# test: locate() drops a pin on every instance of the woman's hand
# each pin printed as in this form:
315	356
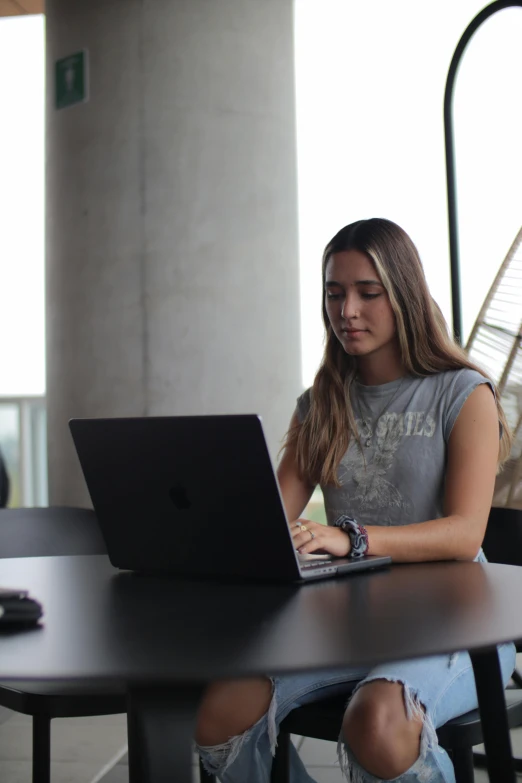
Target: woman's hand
313	537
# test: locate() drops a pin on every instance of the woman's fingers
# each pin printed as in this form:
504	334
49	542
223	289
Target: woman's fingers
302	529
310	536
305	532
305	538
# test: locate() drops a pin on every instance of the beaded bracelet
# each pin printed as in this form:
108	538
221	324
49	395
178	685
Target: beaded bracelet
357	534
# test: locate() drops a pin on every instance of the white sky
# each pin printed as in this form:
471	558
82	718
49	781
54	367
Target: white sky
370	85
22	369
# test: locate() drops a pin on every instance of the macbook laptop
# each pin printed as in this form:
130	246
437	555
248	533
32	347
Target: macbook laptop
195	496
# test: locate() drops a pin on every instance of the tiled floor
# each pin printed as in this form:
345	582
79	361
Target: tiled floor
92	750
81	747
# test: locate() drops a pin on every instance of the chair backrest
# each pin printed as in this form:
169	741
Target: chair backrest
44	532
4	483
503	539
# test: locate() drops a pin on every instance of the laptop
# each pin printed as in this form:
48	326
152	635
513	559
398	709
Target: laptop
194	496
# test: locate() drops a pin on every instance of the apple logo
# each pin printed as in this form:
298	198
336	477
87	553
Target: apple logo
178	495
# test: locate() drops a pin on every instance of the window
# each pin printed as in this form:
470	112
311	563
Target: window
22	332
370	87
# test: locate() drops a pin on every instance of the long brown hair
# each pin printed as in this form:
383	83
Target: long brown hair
426	347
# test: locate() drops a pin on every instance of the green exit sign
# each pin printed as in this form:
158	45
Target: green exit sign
71	80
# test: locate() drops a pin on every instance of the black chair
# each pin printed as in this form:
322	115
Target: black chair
38	532
323	720
503	544
503	539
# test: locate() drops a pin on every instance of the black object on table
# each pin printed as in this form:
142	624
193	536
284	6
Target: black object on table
18	609
167	638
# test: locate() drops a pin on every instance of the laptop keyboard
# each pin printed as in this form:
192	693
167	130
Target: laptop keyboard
314	564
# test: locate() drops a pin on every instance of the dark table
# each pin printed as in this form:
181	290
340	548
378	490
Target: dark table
165	639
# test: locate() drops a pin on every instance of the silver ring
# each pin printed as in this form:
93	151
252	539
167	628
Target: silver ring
312	534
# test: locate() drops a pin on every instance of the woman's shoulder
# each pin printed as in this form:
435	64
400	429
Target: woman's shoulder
303	404
455	381
456	386
467	375
463	381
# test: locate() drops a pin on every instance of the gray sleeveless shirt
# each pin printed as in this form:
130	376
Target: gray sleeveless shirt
407	423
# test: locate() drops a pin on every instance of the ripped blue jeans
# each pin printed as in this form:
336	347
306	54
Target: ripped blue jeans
437	689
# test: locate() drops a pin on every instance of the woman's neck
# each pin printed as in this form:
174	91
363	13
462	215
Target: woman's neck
375	369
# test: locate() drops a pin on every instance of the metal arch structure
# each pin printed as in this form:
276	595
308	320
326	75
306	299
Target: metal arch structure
473	26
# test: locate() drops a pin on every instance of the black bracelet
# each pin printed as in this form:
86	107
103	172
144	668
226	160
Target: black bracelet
357	534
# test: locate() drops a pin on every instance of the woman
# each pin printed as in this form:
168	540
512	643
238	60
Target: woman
404	436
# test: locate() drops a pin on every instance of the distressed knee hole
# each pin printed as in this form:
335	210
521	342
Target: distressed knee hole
414	709
217	758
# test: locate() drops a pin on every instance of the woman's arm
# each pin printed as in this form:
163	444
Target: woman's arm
296	492
469	479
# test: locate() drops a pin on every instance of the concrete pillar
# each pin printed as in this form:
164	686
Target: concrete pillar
172	270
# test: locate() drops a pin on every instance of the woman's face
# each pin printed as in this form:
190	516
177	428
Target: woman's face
357	304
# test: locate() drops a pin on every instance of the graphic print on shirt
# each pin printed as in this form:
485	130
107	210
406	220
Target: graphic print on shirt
372	489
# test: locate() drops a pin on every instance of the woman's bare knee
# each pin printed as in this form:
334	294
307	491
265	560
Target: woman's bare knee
377	730
230	707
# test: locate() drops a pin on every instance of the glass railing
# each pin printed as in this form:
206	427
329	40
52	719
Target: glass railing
23	443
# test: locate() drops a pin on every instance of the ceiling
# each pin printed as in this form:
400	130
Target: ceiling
21	7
